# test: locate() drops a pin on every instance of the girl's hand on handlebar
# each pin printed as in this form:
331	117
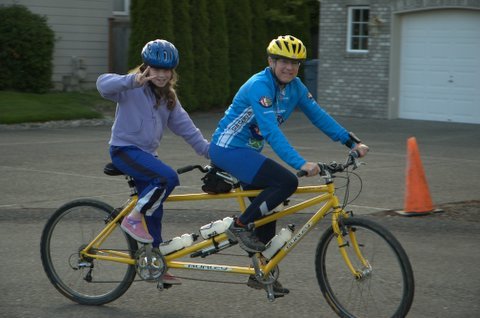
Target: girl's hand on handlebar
142	78
311	168
361	149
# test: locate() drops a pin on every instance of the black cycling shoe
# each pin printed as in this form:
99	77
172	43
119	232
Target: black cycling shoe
246	238
278	289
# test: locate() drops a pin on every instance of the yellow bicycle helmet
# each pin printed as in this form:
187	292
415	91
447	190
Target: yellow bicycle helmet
287	46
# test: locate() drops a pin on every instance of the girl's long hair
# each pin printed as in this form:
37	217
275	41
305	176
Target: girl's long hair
167	92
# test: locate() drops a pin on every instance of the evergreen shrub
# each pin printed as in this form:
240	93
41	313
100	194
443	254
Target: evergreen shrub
26	50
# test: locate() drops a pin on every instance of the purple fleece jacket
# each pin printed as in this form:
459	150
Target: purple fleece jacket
139	123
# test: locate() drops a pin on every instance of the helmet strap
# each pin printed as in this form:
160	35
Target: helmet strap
272	69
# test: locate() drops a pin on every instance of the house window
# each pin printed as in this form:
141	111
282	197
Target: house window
357	33
121	7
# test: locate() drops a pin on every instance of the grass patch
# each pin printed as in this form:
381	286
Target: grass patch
17	107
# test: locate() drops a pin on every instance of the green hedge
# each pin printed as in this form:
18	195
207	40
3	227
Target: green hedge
201	51
218	44
26	50
221	42
184	44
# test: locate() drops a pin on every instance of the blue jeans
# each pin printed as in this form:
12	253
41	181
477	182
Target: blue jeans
154	180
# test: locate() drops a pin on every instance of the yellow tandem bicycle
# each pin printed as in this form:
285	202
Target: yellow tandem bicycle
361	268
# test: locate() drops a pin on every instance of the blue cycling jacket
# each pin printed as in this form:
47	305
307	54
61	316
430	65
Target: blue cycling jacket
260	107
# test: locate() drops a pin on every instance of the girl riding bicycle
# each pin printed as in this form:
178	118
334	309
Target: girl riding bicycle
147	104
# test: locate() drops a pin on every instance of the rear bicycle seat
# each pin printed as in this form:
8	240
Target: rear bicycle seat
111	170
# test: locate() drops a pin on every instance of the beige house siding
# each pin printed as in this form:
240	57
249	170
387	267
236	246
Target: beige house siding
81	38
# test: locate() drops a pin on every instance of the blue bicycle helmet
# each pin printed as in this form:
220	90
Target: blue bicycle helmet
160	54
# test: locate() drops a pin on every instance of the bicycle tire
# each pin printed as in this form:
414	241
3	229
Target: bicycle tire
68	230
386	291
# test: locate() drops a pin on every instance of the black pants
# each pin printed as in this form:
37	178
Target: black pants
278	183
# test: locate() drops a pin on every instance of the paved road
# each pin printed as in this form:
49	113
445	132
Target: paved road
44	168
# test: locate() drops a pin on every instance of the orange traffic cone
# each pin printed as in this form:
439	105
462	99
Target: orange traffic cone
417	194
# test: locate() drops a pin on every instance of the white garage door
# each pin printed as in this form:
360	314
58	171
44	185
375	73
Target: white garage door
440	66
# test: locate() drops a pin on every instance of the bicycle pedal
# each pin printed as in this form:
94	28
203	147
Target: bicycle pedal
272	295
162	286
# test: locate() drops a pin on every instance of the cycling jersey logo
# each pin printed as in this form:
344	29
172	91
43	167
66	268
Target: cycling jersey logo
310	96
266	101
255	131
255	143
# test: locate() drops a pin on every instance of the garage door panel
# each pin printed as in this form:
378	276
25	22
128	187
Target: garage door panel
440	66
413	78
417	106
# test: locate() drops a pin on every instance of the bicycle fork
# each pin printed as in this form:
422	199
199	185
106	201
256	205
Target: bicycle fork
341	231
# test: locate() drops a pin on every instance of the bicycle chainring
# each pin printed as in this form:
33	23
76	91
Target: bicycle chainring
271	277
150	263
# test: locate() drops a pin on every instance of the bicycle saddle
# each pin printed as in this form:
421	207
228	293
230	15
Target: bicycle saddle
111	170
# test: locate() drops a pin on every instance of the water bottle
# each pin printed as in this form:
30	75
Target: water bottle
171	246
227	221
277	242
176	243
214	228
187	239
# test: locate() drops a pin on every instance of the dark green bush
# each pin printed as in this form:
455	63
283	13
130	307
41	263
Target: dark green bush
26	50
240	45
221	43
150	20
219	74
184	43
202	83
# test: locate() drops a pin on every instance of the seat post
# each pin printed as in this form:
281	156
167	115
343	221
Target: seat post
132	185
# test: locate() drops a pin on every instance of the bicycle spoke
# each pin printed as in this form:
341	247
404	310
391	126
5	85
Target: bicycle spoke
384	291
84	280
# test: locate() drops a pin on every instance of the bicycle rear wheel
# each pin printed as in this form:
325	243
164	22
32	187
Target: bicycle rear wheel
387	286
85	281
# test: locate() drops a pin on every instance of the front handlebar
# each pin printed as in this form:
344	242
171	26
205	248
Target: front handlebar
326	170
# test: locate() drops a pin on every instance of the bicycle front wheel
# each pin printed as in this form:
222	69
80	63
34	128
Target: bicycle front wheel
386	286
86	281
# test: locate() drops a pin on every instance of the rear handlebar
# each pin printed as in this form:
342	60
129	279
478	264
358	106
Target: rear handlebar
192	167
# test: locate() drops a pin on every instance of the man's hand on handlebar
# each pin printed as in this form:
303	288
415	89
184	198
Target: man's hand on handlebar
311	168
361	149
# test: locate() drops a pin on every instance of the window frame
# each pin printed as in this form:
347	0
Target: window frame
125	12
350	35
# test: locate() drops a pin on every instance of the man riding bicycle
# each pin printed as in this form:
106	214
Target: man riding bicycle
261	105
